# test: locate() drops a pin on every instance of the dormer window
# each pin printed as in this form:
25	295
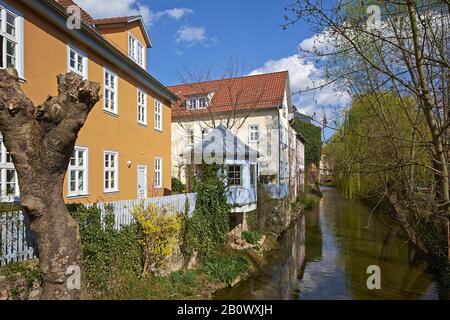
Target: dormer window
196	103
136	50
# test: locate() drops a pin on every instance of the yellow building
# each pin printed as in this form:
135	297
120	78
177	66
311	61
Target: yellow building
124	149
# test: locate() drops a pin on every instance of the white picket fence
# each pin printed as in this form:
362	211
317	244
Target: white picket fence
15	238
17	241
122	209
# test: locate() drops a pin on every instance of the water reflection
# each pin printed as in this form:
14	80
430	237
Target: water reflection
325	255
280	277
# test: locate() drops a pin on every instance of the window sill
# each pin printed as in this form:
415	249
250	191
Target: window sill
111	113
111	191
159	130
142	124
81	195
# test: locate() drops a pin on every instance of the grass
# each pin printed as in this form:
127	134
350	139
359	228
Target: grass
251	237
184	284
226	268
216	272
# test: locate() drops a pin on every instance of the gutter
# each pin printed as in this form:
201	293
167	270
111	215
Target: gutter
279	148
56	14
204	112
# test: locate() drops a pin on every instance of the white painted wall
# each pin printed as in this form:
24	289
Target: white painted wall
273	125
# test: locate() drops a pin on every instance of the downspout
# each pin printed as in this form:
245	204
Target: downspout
279	148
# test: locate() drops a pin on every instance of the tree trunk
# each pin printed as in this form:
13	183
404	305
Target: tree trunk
59	243
401	217
41	141
439	156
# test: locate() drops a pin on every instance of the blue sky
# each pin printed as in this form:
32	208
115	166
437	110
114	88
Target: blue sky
207	34
247	31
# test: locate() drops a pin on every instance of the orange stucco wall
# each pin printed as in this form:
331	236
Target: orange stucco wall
119	36
45	56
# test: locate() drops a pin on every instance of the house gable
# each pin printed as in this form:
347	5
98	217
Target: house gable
117	31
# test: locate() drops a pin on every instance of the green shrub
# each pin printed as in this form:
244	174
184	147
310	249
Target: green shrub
9	207
251	237
177	185
29	272
108	254
208	227
252	220
226	268
160	229
309	200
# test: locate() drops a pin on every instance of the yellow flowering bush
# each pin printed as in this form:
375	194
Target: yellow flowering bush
160	227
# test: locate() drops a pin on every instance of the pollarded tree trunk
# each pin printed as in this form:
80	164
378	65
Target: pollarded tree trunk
41	140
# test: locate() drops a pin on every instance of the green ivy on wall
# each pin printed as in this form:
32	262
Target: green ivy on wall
208	227
313	145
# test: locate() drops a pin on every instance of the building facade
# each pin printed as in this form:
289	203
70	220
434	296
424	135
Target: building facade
296	163
255	108
239	161
123	151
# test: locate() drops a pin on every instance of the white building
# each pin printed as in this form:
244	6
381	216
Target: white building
257	109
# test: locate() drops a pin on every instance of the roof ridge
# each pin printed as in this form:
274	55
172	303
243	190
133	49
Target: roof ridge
117	17
231	78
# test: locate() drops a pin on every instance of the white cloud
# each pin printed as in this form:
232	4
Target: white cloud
175	13
178	13
193	35
117	8
304	75
321	42
299	70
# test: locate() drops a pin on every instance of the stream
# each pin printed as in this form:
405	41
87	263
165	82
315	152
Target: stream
325	255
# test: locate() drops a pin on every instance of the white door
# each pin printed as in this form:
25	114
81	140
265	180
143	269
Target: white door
142	182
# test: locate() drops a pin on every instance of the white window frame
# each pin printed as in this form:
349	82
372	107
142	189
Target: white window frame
109	169
142	107
158	112
114	89
234	178
76	168
136	50
252	130
6	166
84	61
17	39
197	103
157	169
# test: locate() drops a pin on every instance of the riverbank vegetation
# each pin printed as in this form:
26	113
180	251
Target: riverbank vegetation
136	262
392	144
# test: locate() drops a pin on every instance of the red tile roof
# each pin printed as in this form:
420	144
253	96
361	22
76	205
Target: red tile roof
242	93
114	20
85	17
